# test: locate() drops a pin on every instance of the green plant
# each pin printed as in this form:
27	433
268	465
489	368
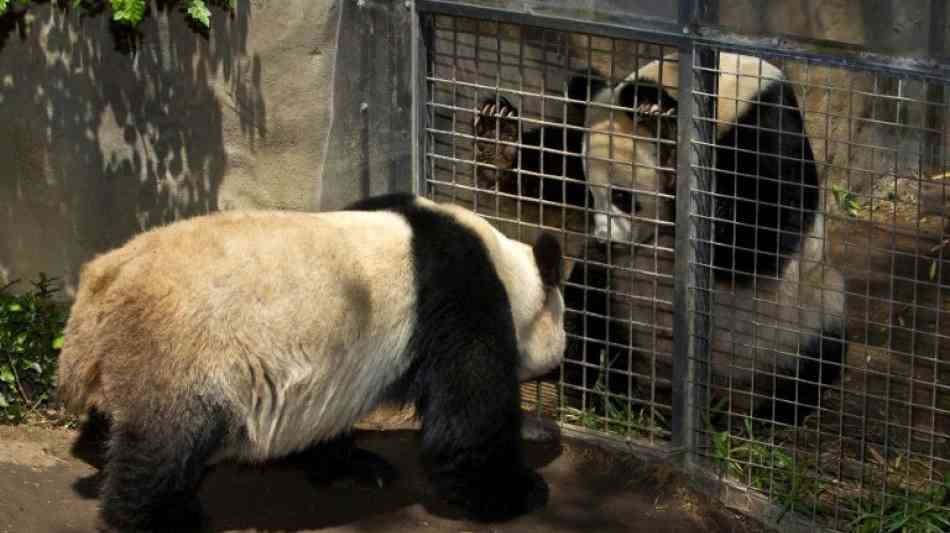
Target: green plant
846	200
615	415
31	335
766	467
913	513
131	12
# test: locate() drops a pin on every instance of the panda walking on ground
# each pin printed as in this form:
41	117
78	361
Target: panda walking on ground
256	335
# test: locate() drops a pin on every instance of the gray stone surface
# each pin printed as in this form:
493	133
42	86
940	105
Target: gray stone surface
306	104
100	144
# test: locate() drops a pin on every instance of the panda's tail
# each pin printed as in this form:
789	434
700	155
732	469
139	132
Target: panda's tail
79	374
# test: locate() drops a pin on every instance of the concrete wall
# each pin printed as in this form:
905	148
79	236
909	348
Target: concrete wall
99	144
885	26
297	104
886	137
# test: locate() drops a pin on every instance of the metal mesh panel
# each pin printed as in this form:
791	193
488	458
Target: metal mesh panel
526	174
877	445
825	385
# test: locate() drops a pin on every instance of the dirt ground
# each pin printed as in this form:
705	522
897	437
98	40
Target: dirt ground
591	490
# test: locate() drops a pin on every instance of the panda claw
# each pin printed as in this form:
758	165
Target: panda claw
490	111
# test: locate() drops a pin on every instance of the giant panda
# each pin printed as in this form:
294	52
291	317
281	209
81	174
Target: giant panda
778	308
253	335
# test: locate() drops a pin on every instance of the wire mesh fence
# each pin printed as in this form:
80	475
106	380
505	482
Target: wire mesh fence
822	380
863	298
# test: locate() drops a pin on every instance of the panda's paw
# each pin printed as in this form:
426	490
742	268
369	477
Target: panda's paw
188	517
490	110
531	493
507	498
89	487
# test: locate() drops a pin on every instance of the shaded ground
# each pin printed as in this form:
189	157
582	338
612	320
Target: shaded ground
591	490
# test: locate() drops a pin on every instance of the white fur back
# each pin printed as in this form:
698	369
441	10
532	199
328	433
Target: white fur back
299	320
351	317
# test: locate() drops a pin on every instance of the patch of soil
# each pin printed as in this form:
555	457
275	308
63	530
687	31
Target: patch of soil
591	490
898	358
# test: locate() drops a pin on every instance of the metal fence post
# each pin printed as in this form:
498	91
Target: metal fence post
691	303
420	95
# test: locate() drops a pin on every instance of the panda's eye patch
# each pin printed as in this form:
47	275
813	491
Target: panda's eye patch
625	201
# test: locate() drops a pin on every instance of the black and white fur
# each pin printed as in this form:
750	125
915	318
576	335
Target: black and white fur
779	308
256	335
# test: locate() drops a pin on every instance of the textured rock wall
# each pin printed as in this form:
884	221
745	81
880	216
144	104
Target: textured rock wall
99	144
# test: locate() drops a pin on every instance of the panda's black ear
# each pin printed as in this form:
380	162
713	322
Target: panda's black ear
547	255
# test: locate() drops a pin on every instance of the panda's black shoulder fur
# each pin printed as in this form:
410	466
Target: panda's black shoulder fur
767	182
385	202
463	376
457	288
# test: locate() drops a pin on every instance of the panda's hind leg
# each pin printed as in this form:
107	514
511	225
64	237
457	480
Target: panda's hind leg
340	458
154	466
91	447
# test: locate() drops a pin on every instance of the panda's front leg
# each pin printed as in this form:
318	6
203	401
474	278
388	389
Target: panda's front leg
471	434
340	458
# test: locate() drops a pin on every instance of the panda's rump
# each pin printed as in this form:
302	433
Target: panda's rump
329	335
295	322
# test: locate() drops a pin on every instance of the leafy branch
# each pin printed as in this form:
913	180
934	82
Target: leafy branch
31	336
131	12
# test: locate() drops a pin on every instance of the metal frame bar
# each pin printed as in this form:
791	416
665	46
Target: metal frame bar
938	41
421	34
658	31
685	400
829	53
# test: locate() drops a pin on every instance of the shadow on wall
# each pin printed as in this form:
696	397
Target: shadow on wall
99	143
370	140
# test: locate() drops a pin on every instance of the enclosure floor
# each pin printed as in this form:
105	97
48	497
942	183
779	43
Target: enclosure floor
590	491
